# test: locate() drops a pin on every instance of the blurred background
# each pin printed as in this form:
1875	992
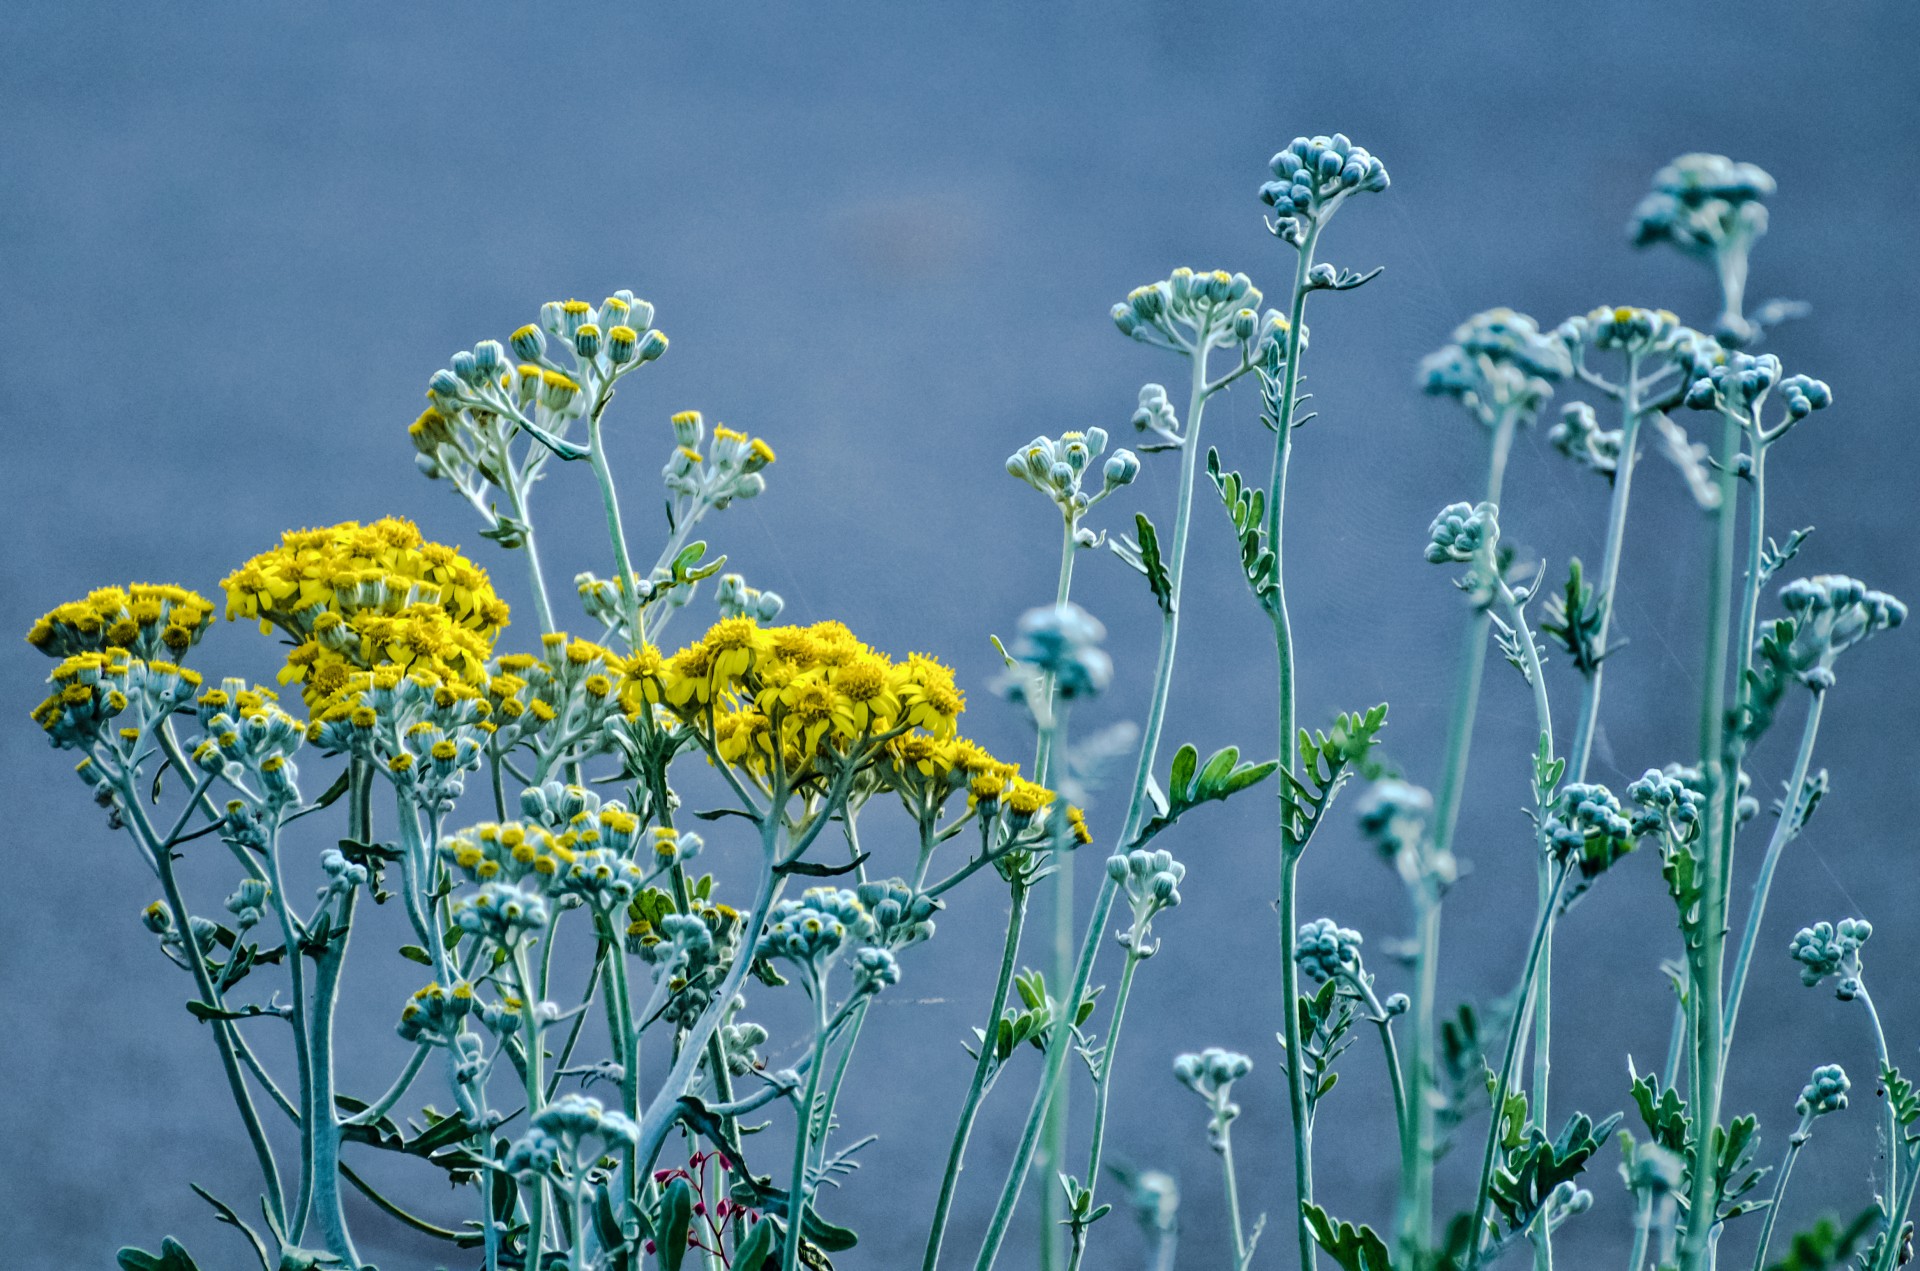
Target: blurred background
886	237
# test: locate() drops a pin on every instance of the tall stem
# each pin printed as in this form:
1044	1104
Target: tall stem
1102	1089
597	456
1287	902
1415	1211
1708	965
517	499
1542	931
984	1067
1241	1254
1053	1142
1582	748
798	1193
223	1034
1060	1043
1783	833
1794	1144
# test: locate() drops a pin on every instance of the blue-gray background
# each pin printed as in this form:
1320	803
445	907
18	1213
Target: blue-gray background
236	240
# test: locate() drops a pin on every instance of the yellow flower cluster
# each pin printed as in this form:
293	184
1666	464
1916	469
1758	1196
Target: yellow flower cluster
572	681
591	853
92	688
146	619
807	693
361	596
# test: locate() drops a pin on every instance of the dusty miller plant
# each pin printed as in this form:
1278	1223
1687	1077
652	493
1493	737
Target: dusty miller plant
525	807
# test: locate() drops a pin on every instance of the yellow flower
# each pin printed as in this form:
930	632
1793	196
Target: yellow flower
865	702
929	698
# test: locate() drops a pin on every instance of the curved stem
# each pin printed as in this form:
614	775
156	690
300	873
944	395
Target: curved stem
1604	587
517	499
1287	901
1890	1126
798	1192
1706	966
1794	1144
222	1029
1175	564
1102	1090
1241	1254
597	457
1053	1143
1783	833
984	1069
1523	996
1415	1209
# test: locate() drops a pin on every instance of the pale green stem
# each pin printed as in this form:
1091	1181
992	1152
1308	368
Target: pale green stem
983	1069
622	562
1103	1088
536	1195
827	1105
162	850
1794	1144
1708	966
1889	1257
1581	752
798	1193
1890	1117
1060	1043
1783	833
1415	1209
1642	1231
1053	1142
1241	1254
516	498
1287	903
1523	995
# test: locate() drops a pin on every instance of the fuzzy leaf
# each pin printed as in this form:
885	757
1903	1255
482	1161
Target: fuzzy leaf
676	1215
1352	1248
1827	1246
1327	761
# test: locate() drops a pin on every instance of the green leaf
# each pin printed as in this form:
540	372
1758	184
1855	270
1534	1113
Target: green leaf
1326	1023
1353	1248
414	953
825	1234
1827	1246
757	1248
1143	554
1532	1167
676	1215
232	1219
1663	1112
172	1257
1190	784
1247	509
1327	761
1573	619
1179	780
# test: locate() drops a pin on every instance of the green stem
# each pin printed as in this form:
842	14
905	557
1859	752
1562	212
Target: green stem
984	1067
1287	902
1783	833
1542	932
1642	1231
1605	585
1415	1210
1794	1144
622	562
1890	1126
1060	1042
1053	1142
1103	1088
827	1105
1890	1256
516	497
1241	1254
536	1195
1708	965
798	1193
222	1029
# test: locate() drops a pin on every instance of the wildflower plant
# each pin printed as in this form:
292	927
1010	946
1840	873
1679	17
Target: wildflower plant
521	793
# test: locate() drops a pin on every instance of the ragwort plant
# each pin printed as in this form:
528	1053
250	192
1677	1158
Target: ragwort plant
499	796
